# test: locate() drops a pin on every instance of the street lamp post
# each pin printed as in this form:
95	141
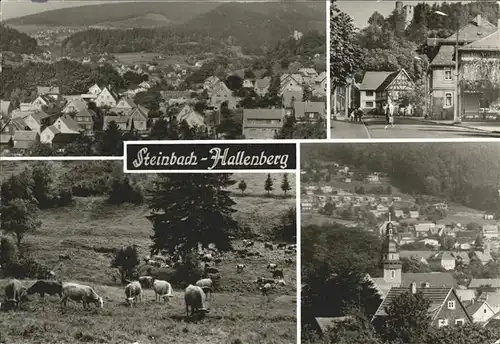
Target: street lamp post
456	113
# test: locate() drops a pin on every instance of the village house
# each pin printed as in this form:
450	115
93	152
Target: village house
442	72
192	117
490	232
289	98
74	105
222	96
95	90
85	119
261	86
36	120
419	256
424	229
443	259
262	123
309	75
309	111
477	283
248	83
445	309
289	82
399	214
372	178
320	86
107	98
378	87
483	256
122	122
480	311
23	140
493	299
327	189
65	124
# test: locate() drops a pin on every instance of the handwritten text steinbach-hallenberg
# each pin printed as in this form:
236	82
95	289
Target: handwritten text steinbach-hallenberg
219	157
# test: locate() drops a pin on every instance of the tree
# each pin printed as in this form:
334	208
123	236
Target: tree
285	184
7	251
111	143
202	212
126	260
329	208
268	185
234	82
288	225
345	55
20	217
242	186
408	319
43	184
18	186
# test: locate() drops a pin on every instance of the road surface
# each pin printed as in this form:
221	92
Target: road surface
373	128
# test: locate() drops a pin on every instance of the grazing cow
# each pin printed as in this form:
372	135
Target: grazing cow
288	261
194	297
278	273
281	246
249	244
162	289
15	292
133	292
269	246
46	287
266	288
211	270
207	285
146	281
81	293
240	268
272	266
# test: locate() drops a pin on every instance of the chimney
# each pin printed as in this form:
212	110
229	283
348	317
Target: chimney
413	287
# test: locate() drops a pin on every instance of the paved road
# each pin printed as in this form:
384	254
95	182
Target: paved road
404	128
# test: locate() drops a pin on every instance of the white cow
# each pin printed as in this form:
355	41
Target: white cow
206	284
194	297
80	293
133	292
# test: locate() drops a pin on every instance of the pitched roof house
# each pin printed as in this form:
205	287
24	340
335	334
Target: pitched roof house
24	139
445	309
313	111
106	98
289	98
384	86
262	123
65	124
261	86
191	116
75	105
480	311
41	90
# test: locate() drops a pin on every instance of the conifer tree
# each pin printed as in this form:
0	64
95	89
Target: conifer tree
268	186
285	184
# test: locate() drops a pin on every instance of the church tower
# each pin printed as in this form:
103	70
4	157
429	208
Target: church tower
390	259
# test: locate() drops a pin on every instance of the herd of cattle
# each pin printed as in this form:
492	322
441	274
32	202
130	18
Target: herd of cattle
195	295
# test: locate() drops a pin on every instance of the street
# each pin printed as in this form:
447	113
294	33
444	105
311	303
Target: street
373	128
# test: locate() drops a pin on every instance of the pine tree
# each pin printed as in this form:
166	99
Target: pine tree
111	141
285	184
187	209
268	186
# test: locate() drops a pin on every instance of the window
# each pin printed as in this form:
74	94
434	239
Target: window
448	99
442	322
393	274
451	304
447	74
369	93
459	322
369	104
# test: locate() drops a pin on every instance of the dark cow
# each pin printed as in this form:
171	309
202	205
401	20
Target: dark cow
278	273
46	287
268	245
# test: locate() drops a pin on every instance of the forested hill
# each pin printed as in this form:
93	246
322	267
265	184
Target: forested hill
468	173
251	25
97	14
15	41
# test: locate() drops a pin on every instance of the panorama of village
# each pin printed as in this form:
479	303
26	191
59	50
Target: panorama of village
399	244
415	69
81	80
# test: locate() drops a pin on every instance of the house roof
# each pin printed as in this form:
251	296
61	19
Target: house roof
5	138
373	79
263	83
263	114
70	123
494	322
85	113
437	297
444	57
465	294
478	282
483	256
476	29
78	102
416	254
326	323
442	255
116	119
53	129
490	42
47	90
474	307
301	108
435	279
493	297
18	123
129	102
25	135
175	94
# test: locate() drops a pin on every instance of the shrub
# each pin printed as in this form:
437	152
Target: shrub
25	268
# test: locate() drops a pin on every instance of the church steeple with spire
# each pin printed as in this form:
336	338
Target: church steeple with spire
390	257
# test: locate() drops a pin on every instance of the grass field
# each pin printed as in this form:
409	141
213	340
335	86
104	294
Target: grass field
90	229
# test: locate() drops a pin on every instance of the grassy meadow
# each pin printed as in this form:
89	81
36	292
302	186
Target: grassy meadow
89	230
